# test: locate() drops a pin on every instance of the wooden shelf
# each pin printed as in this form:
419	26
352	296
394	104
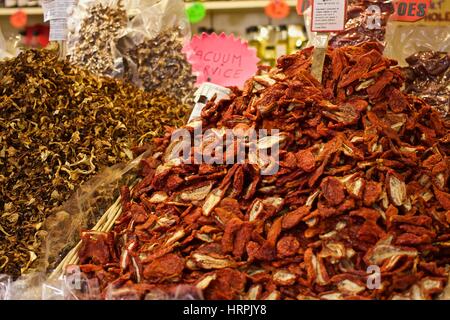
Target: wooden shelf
30	11
210	5
239	5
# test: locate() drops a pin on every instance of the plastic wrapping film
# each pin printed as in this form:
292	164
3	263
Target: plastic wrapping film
405	40
3	52
74	285
8	47
72	282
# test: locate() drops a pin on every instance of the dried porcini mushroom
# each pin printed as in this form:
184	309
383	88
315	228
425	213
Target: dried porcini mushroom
60	125
360	185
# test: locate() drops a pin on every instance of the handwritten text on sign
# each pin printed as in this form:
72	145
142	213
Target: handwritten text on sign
221	59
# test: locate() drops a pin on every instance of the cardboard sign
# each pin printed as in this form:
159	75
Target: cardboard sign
410	10
278	9
302	5
221	59
328	15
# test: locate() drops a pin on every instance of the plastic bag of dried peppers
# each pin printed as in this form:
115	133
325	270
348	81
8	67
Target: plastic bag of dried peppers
359	207
366	21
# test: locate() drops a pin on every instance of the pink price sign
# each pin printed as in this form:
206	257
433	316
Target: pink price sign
221	59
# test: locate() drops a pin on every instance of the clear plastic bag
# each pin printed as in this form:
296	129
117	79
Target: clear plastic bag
432	33
8	48
93	29
366	21
153	49
141	41
3	53
423	48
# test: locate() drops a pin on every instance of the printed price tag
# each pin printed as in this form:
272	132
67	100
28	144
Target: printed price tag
328	15
56	9
61	8
58	30
47	7
221	59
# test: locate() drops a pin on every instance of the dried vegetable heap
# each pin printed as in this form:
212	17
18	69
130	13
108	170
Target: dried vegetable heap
428	76
362	184
59	126
93	46
161	66
363	23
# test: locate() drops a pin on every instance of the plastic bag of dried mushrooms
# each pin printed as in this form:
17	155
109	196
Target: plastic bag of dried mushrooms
153	49
94	27
141	41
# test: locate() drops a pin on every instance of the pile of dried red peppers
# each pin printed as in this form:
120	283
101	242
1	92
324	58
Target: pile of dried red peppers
362	187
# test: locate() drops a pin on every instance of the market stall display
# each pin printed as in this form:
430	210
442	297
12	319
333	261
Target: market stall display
60	125
362	184
324	176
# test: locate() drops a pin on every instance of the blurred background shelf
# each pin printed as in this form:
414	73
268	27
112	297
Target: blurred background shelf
30	11
210	5
231	17
237	5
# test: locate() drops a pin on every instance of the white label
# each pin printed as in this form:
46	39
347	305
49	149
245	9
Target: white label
61	8
56	9
47	7
206	92
328	15
58	30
